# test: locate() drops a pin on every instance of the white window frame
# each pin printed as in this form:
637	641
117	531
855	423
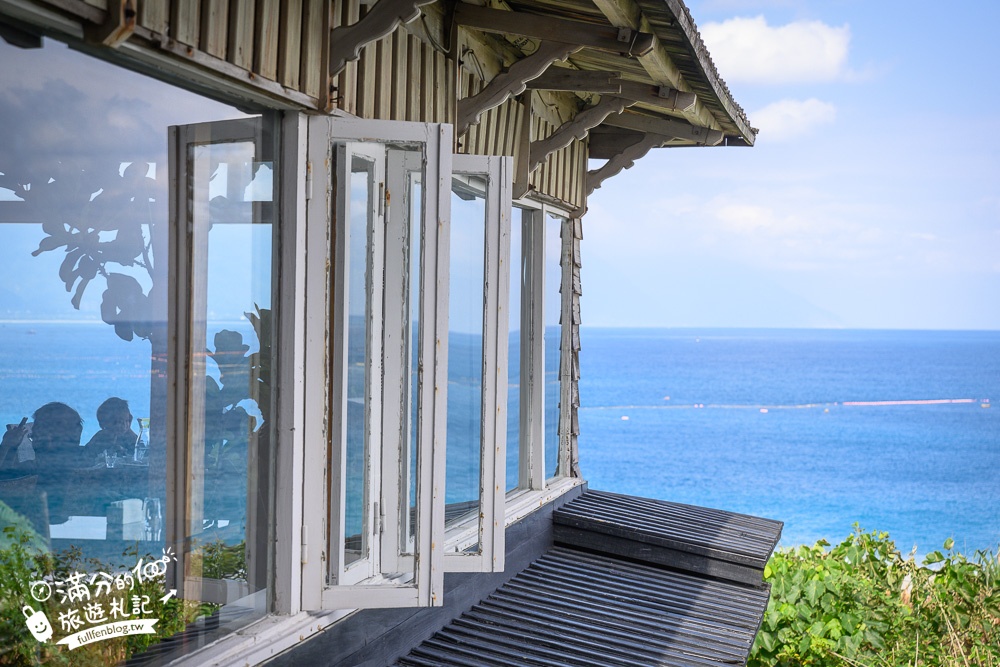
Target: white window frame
324	455
186	366
486	528
531	461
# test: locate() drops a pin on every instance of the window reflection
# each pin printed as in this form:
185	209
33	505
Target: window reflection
465	347
517	282
358	286
84	339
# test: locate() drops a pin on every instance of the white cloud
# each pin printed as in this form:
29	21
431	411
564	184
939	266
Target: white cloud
750	50
787	119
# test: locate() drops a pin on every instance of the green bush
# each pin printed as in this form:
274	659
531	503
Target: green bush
22	561
862	603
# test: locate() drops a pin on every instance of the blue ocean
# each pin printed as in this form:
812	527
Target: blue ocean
817	428
894	430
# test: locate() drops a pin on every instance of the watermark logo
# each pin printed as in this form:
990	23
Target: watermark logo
98	606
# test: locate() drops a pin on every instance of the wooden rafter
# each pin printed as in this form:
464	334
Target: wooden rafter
603	38
509	83
657	62
382	18
577	81
577	128
669	127
660	96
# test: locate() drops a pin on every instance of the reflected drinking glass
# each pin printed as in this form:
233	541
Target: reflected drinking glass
142	441
154	519
110	458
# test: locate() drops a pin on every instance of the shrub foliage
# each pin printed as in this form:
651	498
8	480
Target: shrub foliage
862	603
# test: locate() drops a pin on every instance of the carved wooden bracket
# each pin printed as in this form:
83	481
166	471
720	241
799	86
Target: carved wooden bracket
511	82
577	128
347	41
623	160
117	27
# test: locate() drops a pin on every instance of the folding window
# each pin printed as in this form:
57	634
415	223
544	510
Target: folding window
380	199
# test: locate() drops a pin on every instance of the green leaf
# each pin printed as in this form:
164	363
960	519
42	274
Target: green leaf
948	544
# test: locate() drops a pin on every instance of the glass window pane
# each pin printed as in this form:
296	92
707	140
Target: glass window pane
413	297
465	349
517	273
358	288
553	308
231	300
84	347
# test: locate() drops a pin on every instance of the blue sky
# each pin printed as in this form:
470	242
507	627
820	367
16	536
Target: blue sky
872	197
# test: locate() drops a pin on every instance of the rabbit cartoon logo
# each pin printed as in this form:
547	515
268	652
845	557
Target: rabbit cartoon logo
38	624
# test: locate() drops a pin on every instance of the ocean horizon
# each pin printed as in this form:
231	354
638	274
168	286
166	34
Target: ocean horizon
895	430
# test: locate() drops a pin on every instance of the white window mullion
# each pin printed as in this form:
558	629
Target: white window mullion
532	461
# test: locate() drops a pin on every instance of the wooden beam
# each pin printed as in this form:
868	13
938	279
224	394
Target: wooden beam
604	142
668	127
522	151
660	96
511	82
623	160
657	62
20	38
118	26
384	16
603	38
577	81
577	128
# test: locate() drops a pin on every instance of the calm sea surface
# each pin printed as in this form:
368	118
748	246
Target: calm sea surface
760	421
754	421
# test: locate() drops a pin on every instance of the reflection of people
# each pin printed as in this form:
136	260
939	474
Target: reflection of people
116	435
52	452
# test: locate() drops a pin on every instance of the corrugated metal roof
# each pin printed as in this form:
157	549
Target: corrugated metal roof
573	608
630	582
739	538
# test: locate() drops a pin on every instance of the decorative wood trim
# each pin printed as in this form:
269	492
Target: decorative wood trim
578	128
667	127
384	16
575	81
509	83
118	26
623	160
603	38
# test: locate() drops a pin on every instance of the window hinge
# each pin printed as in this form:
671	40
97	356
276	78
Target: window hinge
381	518
309	180
383	199
305	543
